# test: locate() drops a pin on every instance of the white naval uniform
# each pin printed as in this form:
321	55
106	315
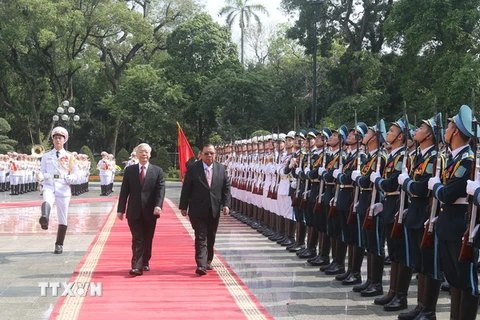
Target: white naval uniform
103	166
55	186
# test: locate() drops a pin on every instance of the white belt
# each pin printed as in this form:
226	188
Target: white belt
461	201
343	186
394	193
59	176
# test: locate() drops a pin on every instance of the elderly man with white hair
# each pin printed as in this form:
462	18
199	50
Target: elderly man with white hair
58	170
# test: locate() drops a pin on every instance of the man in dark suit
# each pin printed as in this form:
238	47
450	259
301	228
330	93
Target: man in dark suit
205	192
143	187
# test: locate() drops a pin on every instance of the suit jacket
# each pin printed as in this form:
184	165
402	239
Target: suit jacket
142	199
200	199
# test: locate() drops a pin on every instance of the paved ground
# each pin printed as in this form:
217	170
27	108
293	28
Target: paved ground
284	284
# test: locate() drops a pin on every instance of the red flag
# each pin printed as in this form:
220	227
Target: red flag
185	152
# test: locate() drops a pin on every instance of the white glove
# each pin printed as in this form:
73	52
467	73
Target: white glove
374	176
475	230
306	194
292	163
321	170
432	182
336	173
428	220
40	176
404	170
48	178
377	208
71	178
293	184
404	213
472	186
402	177
332	201
307	170
356	174
297	171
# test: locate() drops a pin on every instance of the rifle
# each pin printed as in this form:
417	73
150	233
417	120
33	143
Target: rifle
304	203
467	251
332	213
352	215
277	175
428	238
319	202
296	199
368	221
397	230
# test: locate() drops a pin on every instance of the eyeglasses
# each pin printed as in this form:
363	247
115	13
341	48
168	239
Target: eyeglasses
209	153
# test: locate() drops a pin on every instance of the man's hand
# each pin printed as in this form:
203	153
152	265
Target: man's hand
157	211
184	213
120	215
225	211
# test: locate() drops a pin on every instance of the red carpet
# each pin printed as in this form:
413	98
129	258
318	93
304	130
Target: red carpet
171	290
38	203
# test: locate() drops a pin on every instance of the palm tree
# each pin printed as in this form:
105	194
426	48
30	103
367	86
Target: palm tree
244	12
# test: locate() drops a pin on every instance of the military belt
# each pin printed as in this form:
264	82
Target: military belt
343	186
58	176
394	193
461	201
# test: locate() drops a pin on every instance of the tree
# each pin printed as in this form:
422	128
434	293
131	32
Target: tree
6	144
239	9
200	50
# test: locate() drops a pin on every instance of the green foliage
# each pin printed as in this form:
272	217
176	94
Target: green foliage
6	144
162	159
122	157
172	173
260	133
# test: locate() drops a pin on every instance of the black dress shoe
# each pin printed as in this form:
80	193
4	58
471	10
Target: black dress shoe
336	269
309	253
397	303
353	278
209	266
374	289
288	242
385	299
410	315
58	249
296	248
328	266
343	276
135	272
362	286
146	268
322	261
201	271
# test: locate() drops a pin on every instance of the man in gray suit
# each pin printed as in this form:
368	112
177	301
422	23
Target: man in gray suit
143	187
205	193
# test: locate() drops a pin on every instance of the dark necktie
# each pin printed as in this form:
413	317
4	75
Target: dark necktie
142	175
58	154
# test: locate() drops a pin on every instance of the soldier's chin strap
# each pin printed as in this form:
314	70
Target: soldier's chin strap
420	142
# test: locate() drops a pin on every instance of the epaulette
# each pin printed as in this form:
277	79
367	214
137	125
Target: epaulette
468	154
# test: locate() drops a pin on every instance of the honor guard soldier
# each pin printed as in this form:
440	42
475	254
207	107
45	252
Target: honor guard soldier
318	188
450	190
3	172
309	194
350	229
295	162
334	226
103	167
58	171
365	209
400	274
415	183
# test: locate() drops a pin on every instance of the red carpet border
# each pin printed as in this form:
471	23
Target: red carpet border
171	290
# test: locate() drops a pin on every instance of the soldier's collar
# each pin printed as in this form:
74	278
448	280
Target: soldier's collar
394	152
426	150
457	151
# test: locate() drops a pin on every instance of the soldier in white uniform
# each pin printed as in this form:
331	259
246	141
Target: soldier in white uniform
58	171
3	172
103	166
